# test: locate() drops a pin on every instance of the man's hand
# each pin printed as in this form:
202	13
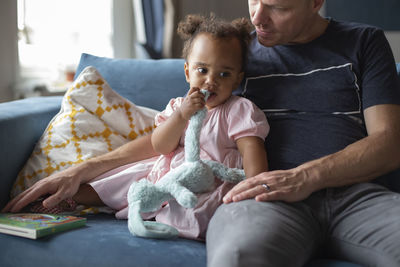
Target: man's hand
286	185
59	186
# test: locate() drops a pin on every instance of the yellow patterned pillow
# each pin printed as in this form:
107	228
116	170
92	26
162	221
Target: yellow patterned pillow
93	120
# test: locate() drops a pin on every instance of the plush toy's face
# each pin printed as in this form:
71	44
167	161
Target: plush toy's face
214	64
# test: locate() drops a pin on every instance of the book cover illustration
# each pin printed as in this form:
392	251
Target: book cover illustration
33	225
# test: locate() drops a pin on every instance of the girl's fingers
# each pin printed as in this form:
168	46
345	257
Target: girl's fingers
193	90
195	94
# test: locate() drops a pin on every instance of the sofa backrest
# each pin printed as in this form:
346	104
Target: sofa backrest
145	82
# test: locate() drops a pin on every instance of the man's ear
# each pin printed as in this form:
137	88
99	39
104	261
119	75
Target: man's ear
187	72
317	4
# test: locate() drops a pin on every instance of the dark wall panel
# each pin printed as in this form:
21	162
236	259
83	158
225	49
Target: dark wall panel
382	13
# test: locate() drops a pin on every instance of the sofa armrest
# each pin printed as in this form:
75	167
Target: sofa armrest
22	122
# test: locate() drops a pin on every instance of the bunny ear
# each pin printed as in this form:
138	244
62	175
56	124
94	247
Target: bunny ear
206	93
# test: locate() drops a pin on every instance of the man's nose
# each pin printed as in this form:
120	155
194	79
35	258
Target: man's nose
260	14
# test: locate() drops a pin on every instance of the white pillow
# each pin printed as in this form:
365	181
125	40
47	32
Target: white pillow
93	120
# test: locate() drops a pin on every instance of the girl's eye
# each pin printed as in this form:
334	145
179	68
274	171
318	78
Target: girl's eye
202	70
225	74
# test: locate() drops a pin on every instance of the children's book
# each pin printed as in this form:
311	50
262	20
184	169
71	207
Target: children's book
34	225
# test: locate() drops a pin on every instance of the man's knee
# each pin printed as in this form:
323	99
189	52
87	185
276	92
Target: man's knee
251	233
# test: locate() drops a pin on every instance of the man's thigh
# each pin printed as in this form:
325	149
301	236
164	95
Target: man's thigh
365	225
251	233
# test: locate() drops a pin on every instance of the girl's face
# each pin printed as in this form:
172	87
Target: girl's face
214	64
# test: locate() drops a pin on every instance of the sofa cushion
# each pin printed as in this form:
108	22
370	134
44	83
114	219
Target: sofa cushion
93	120
126	77
105	241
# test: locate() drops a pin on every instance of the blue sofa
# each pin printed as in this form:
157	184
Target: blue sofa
105	241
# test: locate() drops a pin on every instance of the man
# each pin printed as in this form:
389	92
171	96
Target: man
332	97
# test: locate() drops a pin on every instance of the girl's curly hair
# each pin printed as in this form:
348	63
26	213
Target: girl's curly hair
192	25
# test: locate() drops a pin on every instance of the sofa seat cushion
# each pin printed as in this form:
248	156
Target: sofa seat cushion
105	241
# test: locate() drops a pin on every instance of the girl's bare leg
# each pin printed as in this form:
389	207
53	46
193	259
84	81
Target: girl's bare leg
86	195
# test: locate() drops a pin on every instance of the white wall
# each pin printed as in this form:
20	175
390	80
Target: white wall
8	48
123	29
394	41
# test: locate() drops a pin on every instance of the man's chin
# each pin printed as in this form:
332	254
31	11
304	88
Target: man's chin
266	42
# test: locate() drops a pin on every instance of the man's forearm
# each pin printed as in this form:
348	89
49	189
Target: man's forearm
361	161
135	150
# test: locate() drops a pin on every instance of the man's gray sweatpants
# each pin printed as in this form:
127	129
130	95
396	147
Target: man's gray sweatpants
359	223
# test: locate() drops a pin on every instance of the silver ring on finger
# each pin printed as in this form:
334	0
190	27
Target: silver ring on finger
266	187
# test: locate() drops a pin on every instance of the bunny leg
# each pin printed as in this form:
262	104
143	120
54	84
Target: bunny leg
183	196
232	175
136	225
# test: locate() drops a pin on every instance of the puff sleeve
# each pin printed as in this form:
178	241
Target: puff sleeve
246	119
172	105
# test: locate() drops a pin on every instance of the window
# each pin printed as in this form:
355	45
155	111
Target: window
53	34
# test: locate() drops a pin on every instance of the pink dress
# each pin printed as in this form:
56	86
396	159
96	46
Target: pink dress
223	125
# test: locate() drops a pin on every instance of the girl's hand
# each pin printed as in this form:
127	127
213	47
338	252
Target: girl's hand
193	102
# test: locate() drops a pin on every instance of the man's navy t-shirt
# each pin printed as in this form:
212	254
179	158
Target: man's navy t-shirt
314	94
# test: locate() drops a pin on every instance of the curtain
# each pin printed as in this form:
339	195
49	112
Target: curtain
153	14
153	23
